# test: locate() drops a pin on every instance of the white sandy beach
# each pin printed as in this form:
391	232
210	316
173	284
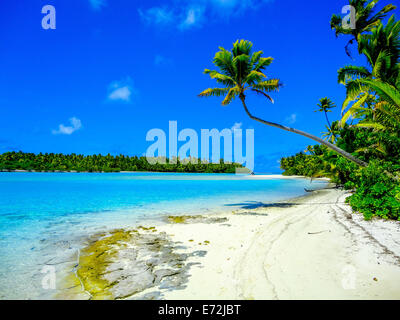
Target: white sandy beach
305	248
310	249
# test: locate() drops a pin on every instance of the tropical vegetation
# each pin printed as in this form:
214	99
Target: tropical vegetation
242	71
364	20
369	127
360	151
51	162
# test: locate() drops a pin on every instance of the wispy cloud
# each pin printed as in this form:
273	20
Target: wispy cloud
291	119
187	14
120	90
97	4
76	124
157	15
194	18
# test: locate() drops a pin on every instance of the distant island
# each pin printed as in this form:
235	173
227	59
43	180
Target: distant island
57	162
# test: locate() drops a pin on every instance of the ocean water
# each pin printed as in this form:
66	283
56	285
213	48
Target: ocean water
44	216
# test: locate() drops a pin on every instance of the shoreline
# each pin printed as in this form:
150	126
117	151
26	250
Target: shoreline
63	225
310	247
254	176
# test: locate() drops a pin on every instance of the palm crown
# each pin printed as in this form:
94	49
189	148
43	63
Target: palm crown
364	16
240	70
365	19
325	105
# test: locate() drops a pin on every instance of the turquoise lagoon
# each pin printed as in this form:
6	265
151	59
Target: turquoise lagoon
46	216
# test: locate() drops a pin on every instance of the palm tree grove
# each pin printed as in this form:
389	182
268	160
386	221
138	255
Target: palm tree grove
360	151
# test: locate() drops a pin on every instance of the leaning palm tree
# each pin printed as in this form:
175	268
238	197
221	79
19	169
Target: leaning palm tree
365	19
240	72
325	105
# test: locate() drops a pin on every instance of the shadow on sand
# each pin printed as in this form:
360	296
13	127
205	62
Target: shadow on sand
255	204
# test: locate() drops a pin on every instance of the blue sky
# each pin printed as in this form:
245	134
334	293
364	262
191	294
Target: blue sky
114	69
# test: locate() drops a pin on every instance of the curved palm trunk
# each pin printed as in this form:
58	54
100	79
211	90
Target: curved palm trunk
305	134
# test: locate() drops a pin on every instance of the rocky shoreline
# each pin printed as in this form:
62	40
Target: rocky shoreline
124	263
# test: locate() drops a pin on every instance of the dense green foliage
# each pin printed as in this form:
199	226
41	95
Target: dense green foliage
377	193
100	163
370	124
376	188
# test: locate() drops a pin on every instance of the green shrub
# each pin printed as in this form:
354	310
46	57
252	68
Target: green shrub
377	194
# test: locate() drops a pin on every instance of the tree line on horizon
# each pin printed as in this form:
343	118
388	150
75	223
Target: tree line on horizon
360	151
50	162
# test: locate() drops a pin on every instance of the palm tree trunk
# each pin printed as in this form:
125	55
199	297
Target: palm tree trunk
305	134
327	119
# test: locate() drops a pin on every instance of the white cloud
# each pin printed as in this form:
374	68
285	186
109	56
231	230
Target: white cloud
186	14
120	90
194	17
291	119
76	124
237	125
123	93
97	4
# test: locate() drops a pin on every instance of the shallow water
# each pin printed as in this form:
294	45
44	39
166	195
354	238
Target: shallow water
46	215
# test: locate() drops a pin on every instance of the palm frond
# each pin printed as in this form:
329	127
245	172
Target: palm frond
254	77
382	63
271	85
264	94
242	47
348	73
384	90
372	125
220	78
217	92
387	114
354	89
242	65
263	63
224	60
356	107
232	93
256	58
